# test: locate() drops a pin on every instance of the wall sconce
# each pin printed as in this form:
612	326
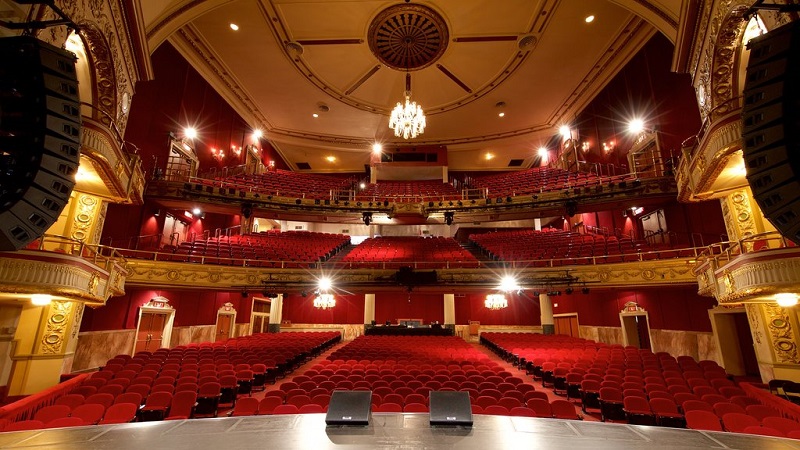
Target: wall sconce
217	154
608	146
585	146
236	150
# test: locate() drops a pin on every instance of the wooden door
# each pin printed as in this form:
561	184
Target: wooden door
151	332
223	327
566	325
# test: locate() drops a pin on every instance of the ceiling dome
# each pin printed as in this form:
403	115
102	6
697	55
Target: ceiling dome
408	36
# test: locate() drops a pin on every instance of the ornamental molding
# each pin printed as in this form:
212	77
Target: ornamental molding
708	159
783	337
111	163
55	335
62	275
678	271
752	276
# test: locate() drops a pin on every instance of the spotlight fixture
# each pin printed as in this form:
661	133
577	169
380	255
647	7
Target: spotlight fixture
244	293
568	290
366	217
584	290
298	201
508	199
448	217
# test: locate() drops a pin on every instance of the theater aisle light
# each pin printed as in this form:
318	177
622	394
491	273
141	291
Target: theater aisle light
41	299
786	299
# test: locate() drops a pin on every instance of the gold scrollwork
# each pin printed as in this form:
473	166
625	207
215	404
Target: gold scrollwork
783	337
56	327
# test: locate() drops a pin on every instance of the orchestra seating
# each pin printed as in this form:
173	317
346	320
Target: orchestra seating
393	252
567	247
538	180
180	383
409	191
637	386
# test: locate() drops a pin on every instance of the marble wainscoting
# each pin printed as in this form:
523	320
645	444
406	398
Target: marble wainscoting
699	346
96	347
606	335
193	334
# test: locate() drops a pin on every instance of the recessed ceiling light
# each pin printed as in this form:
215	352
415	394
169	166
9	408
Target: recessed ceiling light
489	156
502	114
589	19
315	115
331	158
234	27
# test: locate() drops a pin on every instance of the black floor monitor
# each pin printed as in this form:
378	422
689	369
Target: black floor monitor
450	408
349	408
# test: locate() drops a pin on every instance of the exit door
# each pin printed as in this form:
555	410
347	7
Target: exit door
151	332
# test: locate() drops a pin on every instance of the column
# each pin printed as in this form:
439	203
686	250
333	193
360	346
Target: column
276	314
369	309
450	311
46	337
546	310
742	216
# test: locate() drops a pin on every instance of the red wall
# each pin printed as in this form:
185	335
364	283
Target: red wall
192	307
645	88
178	97
522	310
349	309
670	308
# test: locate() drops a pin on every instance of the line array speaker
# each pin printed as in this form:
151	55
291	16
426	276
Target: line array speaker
771	127
40	134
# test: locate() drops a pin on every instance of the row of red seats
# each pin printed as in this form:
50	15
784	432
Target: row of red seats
409	191
537	180
408	249
287	183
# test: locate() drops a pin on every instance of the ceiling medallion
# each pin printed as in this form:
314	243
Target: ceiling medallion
408	36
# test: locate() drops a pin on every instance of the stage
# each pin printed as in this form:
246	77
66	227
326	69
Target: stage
394	330
386	431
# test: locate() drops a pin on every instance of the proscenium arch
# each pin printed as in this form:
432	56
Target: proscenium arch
104	98
663	18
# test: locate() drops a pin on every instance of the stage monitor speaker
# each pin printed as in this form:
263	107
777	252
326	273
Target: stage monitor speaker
771	127
349	408
40	135
450	408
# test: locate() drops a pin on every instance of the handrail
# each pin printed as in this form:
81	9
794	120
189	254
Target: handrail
100	255
662	254
25	409
786	408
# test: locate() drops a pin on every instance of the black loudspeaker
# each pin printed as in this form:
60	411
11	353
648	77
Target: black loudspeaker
40	135
450	408
349	408
771	127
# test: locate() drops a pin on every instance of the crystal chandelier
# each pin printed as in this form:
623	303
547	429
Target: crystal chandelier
496	301
324	301
408	120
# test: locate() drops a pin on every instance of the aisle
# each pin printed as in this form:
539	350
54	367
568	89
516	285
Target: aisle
589	417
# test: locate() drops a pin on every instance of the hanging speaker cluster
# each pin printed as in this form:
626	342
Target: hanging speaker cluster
771	127
40	134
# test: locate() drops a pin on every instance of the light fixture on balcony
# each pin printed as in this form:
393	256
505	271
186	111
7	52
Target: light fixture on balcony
236	150
217	154
786	299
496	301
408	119
324	301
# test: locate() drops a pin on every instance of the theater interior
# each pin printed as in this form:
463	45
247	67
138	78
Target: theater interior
580	215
